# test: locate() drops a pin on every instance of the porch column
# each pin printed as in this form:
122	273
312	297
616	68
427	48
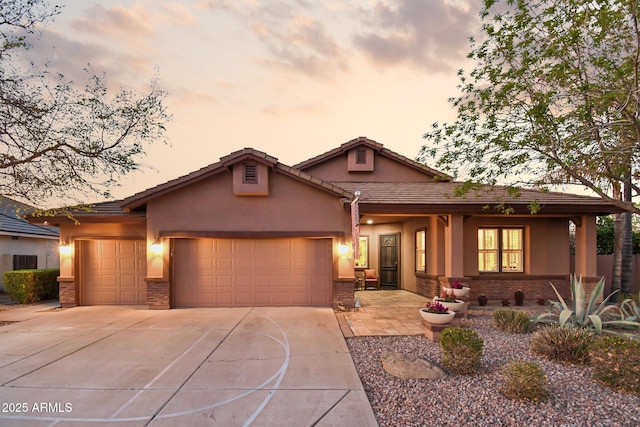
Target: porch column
453	247
586	253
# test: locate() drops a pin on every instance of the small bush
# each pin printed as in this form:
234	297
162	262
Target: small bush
525	381
28	286
511	321
461	350
616	362
505	302
563	343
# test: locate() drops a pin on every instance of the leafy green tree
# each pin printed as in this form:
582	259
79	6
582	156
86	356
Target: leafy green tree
553	99
57	140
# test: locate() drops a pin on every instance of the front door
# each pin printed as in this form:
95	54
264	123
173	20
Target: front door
389	244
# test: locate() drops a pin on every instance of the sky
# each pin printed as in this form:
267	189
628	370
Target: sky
292	78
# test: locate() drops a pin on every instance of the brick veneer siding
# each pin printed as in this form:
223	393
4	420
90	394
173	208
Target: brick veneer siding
67	295
427	286
343	294
158	295
497	289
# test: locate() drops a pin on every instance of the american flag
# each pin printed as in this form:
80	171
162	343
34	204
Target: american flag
355	227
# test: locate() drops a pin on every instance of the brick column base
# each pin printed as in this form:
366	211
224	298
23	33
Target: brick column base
67	294
343	294
158	296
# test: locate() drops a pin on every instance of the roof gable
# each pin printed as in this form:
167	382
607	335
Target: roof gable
312	165
224	165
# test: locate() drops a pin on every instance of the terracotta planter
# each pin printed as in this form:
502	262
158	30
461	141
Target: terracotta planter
458	292
437	318
453	306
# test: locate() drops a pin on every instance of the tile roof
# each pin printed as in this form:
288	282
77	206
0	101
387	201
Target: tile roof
12	221
439	197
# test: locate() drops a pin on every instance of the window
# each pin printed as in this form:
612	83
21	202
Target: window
250	175
500	250
421	250
363	253
25	262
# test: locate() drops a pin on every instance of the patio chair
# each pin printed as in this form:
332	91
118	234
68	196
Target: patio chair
371	280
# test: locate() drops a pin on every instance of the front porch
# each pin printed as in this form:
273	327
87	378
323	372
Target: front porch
395	313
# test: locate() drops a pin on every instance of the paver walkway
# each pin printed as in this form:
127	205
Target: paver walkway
386	312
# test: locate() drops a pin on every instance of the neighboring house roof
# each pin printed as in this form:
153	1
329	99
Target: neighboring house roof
12	222
379	149
440	198
224	164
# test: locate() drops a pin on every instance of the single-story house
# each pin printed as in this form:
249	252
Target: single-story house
24	245
251	231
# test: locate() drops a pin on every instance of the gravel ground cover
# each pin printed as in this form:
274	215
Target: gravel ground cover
474	400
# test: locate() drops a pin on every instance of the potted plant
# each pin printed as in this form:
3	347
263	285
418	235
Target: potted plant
436	313
450	301
458	288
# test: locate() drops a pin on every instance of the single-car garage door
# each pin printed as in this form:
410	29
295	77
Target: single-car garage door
113	272
252	272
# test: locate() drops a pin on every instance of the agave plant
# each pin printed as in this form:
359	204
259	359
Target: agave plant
587	314
630	310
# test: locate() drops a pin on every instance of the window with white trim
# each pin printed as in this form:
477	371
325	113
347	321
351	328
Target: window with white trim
500	250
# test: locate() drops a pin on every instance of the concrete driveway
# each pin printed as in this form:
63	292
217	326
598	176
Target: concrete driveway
126	366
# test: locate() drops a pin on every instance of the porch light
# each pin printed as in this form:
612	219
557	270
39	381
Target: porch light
156	247
369	221
343	249
65	249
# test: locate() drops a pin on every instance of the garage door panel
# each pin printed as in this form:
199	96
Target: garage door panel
261	272
113	272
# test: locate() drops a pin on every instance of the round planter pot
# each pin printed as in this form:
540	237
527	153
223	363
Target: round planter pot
458	292
453	306
437	319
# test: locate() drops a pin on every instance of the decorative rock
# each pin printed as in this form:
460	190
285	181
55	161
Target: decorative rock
408	366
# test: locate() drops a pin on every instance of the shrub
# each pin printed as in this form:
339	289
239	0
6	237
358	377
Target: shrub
512	321
28	286
563	343
461	350
615	361
587	313
524	380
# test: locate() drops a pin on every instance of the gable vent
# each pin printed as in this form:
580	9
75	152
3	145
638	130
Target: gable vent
250	174
361	156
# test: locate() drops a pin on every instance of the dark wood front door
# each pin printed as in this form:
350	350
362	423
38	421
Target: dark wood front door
389	244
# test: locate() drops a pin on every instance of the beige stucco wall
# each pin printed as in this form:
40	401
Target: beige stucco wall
210	206
386	170
546	243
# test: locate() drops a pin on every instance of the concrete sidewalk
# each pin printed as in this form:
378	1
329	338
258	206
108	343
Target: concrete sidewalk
199	367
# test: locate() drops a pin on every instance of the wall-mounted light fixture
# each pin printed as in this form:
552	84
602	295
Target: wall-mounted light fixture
343	249
156	247
65	248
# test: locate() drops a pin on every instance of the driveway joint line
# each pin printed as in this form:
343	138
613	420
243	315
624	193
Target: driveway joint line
181	386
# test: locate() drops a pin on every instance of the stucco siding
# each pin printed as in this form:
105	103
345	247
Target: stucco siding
45	249
210	205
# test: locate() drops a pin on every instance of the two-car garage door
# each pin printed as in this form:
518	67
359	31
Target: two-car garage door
252	272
